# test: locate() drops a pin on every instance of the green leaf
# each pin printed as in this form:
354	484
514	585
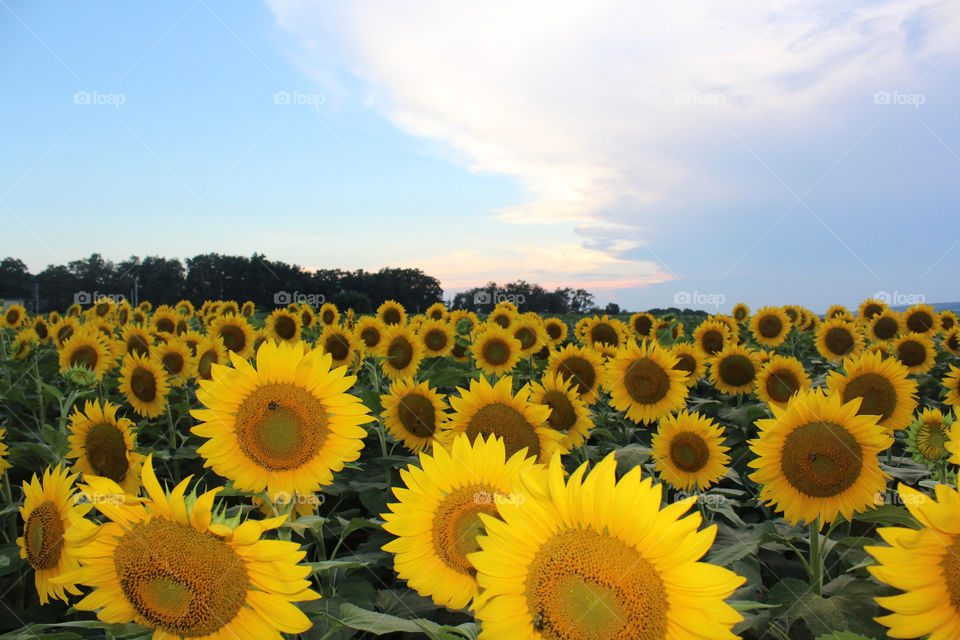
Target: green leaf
843	635
889	515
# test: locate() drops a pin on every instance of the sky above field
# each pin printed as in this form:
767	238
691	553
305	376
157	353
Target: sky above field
689	153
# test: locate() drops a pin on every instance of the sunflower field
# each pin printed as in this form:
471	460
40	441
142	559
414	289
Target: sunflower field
232	472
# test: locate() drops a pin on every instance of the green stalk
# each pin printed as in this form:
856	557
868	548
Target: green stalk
173	444
816	558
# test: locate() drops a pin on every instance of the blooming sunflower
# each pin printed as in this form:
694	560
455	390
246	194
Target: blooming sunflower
23	344
248	309
135	339
286	425
414	413
436	517
495	350
642	324
884	326
235	332
836	311
581	365
838	339
504	316
400	351
643	382
165	562
688	451
818	458
185	308
4	463
436	336
392	312
483	409
948	320
48	508
544	569
690	360
925	564
569	414
437	311
556	330
122	314
915	351
306	315
370	331
605	331
178	362
210	351
528	329
770	326
921	319
143	383
928	437
712	336
165	319
951	386
13	316
951	341
741	312
734	370
340	343
780	378
63	329
283	325
882	385
103	445
871	307
41	328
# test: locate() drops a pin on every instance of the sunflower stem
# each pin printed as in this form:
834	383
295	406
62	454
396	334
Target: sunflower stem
41	402
173	444
816	558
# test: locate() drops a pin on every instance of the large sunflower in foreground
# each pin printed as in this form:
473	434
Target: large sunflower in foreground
400	351
285	425
48	509
690	360
643	382
818	458
495	350
569	414
166	563
780	378
734	370
770	326
838	339
596	558
103	445
143	382
483	410
925	564
413	414
688	451
915	351
581	365
882	385
436	519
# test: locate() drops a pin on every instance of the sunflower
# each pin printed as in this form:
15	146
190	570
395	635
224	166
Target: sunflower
168	563
503	316
929	436
915	351
463	321
734	370
690	360
951	388
837	311
48	509
951	341
606	331
925	564
86	349
528	329
143	382
643	382
818	458
103	445
688	451
437	311
436	517
229	307
178	362
871	307
712	336
135	339
582	366
544	569
392	312
838	339
921	319
248	309
436	336
286	425
13	316
23	344
883	387
780	378
329	314
484	409
948	320
165	319
413	414
75	310
283	325
63	329
122	314
770	326
4	463
210	351
731	323
642	324
495	350
41	328
400	351
884	326
185	308
370	332
793	314
569	414
741	312
307	317
556	330
340	343
235	332
579	329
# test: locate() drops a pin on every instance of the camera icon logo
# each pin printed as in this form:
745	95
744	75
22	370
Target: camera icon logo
282	297
82	297
681	297
81	97
281	97
482	297
882	97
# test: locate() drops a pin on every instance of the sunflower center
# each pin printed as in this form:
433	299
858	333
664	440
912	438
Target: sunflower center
281	426
418	415
821	459
582	585
781	385
526	337
143	384
502	319
839	341
207	358
337	347
740	314
179	580
64	333
643	325
41	330
736	370
435	339
686	363
370	336
508	423
496	352
399	353
646	381
553	330
457	524
919	322
563	415
285	327
871	310
138	345
953	342
950	564
885	328
688	452
946	322
911	353
173	362
580	371
166	325
879	398
390	316
43	536
233	337
106	451
85	356
712	341
770	326
328	316
604	334
459	350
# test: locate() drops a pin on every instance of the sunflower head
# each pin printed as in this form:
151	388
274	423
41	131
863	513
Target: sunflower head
569	414
884	326
928	437
556	330
583	366
340	343
688	451
770	326
144	384
741	312
734	369
414	414
915	351
948	320
691	360
284	326
643	382
400	351
838	339
436	336
881	384
712	336
235	333
392	312
87	349
103	445
921	319
781	378
871	307
12	316
495	350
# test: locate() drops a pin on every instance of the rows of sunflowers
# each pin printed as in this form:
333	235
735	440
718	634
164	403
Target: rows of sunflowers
223	472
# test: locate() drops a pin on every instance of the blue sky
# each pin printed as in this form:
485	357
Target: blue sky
785	152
